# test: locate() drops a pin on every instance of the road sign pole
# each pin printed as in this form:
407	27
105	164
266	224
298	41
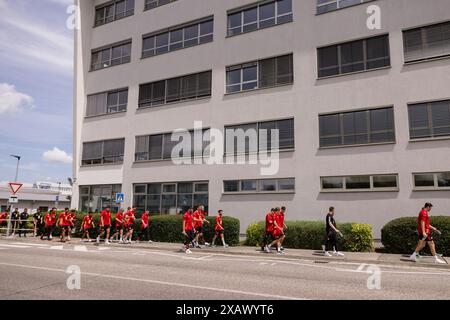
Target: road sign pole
8	229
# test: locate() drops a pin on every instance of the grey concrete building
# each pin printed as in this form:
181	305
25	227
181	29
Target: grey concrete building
363	112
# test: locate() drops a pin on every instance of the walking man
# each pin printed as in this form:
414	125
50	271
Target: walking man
105	224
331	235
424	230
188	230
119	226
23	223
15	220
199	220
50	221
37	221
219	229
145	228
87	225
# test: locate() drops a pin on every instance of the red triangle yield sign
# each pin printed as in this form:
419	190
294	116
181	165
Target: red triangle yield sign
15	187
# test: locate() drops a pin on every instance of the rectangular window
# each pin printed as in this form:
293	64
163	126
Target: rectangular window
260	74
176	38
160	146
259	16
429	120
103	152
432	181
354	56
111	56
428	42
190	87
152	4
170	198
385	182
97	197
259	186
324	6
257	137
107	102
357	127
114	10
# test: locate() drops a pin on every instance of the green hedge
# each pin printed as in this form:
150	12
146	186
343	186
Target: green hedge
311	235
400	235
167	228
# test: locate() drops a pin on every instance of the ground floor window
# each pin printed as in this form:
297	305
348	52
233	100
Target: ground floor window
170	197
97	198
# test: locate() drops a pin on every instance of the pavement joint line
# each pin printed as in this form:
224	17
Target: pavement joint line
174	284
398	272
388	264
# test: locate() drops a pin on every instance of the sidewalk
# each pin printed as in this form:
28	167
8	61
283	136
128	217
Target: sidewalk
300	254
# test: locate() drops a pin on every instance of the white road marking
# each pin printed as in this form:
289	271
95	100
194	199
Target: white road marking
31	244
80	248
14	246
172	284
57	248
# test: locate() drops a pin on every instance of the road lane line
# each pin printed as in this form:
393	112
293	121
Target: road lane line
30	244
15	246
172	284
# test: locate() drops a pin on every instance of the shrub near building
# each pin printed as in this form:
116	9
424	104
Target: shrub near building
400	235
311	235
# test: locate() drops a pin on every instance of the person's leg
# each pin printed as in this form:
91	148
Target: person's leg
222	236
432	247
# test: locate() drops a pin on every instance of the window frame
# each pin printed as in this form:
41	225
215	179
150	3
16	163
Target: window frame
365	61
149	103
258	186
257	63
103	6
168	31
369	132
258	21
430	127
337	5
147	7
107	93
102	159
370	189
435	180
110	48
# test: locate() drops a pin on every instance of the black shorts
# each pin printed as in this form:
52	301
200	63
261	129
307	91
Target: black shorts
118	228
190	235
219	232
128	228
105	227
87	229
429	238
67	228
199	229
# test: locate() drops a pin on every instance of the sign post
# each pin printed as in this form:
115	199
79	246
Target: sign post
15	187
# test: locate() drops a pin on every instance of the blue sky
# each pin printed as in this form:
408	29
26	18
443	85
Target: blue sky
36	79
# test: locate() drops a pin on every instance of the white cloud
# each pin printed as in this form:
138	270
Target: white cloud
13	101
57	155
63	2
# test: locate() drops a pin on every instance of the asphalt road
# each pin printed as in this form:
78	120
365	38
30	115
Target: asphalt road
34	271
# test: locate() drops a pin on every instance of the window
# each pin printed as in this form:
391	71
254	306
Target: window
427	42
260	74
113	11
107	102
103	152
176	38
429	120
257	137
259	16
111	56
194	86
324	6
152	4
97	198
357	127
432	181
386	182
160	146
170	198
354	56
259	186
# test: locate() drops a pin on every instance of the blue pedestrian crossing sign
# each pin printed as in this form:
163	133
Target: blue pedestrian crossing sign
120	197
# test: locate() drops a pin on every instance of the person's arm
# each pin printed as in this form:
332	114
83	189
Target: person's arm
435	229
276	225
101	221
423	229
184	227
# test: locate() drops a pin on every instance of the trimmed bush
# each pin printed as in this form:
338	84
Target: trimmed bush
311	235
400	235
168	229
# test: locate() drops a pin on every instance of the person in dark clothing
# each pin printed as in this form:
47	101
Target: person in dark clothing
23	223
331	235
15	219
37	221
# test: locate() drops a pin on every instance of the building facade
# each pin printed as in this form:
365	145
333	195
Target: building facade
363	112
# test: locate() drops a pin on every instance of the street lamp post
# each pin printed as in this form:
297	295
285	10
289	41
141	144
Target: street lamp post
57	197
8	231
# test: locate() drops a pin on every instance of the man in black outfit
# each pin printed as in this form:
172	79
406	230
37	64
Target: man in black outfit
23	223
331	235
38	222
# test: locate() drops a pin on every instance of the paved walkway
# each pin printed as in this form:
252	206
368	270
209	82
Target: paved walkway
350	257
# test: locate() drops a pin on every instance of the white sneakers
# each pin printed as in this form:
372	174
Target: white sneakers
327	254
414	257
338	254
438	260
98	239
